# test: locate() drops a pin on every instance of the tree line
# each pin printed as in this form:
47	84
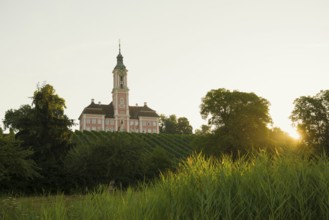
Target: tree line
39	155
239	122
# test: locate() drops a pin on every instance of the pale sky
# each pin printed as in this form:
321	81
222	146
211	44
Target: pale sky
175	51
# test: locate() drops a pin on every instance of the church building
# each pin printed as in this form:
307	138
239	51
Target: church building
118	115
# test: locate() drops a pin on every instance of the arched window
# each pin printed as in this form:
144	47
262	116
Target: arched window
121	82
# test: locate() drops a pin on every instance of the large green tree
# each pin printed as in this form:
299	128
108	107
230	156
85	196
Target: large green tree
311	117
174	125
239	119
45	129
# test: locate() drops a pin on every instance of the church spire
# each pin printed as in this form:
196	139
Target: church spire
119	47
120	64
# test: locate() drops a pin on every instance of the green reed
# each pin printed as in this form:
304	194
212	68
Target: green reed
286	187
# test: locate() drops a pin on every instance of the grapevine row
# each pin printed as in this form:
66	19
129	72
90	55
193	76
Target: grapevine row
178	146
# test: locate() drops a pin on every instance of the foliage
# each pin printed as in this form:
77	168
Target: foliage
204	129
311	116
281	140
183	126
288	187
245	111
167	124
177	146
44	128
15	163
125	158
101	162
239	119
174	125
156	162
213	144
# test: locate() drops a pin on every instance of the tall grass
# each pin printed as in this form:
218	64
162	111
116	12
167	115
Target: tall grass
287	187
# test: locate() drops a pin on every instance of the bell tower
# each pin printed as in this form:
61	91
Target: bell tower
120	95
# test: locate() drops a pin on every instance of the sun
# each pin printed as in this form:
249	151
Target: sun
294	134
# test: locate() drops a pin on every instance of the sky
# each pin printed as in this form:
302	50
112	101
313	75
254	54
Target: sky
175	51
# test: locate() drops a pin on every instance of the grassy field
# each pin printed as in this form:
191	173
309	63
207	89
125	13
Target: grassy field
287	187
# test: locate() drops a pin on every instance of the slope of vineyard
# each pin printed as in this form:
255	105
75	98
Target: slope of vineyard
176	145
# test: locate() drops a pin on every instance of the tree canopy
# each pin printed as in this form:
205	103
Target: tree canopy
311	117
44	128
240	119
15	163
174	125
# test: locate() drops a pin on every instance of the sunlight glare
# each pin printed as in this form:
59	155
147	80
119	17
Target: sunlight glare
294	134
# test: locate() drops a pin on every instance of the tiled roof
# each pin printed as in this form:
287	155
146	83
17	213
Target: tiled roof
99	109
108	111
141	111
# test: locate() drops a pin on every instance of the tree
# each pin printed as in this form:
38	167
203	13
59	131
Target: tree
204	129
183	126
240	119
168	124
44	128
311	117
172	125
15	163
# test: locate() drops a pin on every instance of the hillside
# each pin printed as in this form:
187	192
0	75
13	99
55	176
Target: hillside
178	146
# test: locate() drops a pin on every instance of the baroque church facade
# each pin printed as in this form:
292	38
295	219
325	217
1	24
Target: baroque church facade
118	115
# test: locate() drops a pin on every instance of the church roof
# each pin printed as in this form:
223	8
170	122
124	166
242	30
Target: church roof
108	110
141	111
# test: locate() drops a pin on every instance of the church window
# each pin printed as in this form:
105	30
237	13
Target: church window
88	121
121	81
